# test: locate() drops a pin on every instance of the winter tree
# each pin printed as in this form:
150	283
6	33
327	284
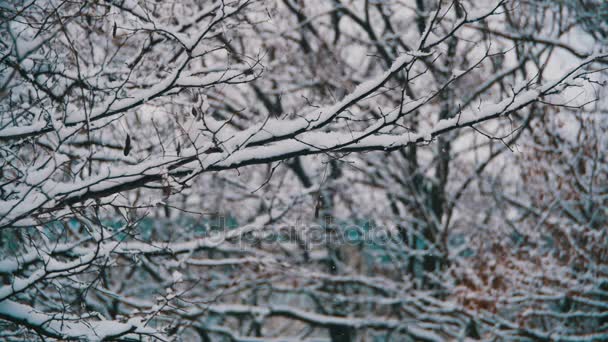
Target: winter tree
229	170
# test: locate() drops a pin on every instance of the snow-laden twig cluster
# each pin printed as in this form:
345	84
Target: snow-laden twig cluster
255	170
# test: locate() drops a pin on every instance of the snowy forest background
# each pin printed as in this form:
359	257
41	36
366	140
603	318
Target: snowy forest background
322	170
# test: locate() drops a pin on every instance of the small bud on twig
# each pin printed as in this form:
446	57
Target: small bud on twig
127	147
